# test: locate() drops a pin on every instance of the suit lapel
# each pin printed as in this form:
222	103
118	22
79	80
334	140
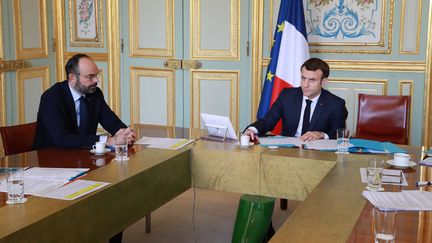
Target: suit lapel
70	103
297	104
319	109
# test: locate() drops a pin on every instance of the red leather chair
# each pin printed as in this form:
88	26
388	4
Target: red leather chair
18	139
383	118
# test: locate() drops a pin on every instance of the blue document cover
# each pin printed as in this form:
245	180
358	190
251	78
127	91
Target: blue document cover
367	145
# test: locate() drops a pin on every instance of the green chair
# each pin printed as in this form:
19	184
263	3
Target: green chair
253	218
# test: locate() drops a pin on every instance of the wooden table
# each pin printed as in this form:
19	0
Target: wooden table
149	179
332	210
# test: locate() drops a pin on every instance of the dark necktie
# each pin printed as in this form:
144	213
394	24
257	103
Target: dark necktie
83	115
306	117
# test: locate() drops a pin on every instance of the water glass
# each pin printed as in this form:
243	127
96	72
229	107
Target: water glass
384	225
374	174
121	151
15	185
342	135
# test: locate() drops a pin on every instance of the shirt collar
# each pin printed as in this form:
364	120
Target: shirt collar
75	94
314	100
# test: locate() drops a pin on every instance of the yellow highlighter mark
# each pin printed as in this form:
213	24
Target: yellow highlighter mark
179	144
84	190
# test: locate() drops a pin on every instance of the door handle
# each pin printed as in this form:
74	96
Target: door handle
173	64
182	64
191	64
13	65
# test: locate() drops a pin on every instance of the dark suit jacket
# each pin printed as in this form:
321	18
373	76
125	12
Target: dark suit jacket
57	119
330	114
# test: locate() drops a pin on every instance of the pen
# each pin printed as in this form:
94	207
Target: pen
78	175
424	183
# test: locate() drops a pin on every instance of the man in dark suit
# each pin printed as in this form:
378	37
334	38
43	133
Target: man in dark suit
327	112
70	111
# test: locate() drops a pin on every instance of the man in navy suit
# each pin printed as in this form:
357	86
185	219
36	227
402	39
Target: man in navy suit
327	112
67	104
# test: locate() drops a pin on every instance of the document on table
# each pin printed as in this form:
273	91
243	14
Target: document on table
280	141
39	180
75	189
164	143
414	200
391	177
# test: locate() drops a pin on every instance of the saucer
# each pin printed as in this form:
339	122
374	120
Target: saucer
247	146
410	164
94	152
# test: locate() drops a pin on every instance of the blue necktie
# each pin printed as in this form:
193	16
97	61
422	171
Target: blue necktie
83	116
306	117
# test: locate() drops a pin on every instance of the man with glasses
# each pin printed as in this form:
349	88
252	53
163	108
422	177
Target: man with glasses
70	111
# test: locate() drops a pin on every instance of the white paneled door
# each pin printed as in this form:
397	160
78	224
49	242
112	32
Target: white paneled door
183	58
25	64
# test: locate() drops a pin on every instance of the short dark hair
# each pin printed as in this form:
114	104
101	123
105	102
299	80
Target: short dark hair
72	64
314	64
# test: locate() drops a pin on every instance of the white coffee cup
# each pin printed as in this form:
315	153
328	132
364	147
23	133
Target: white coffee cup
401	159
244	140
99	147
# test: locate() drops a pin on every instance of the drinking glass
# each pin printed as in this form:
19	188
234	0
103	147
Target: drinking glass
15	185
384	225
121	151
342	135
374	174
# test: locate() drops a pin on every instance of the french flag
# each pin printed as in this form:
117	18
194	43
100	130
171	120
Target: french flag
290	50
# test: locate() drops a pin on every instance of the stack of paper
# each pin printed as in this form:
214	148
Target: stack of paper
164	143
280	141
391	177
427	161
38	180
406	200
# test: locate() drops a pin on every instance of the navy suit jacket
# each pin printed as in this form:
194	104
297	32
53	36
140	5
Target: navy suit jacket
57	119
330	114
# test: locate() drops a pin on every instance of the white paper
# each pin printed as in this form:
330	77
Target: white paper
75	189
414	200
164	143
38	180
280	141
390	177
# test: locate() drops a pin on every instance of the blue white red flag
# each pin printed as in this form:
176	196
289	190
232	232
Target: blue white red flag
290	50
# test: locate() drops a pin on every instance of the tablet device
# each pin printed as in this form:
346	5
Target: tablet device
218	126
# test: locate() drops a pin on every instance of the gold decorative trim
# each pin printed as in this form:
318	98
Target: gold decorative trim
97	56
3	114
113	36
74	40
402	28
197	52
389	39
257	47
410	84
101	79
22	76
31	53
382	82
388	66
135	50
271	26
1	33
59	32
135	74
427	124
213	75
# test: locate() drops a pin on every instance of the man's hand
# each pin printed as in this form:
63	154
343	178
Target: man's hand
122	135
311	135
251	134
